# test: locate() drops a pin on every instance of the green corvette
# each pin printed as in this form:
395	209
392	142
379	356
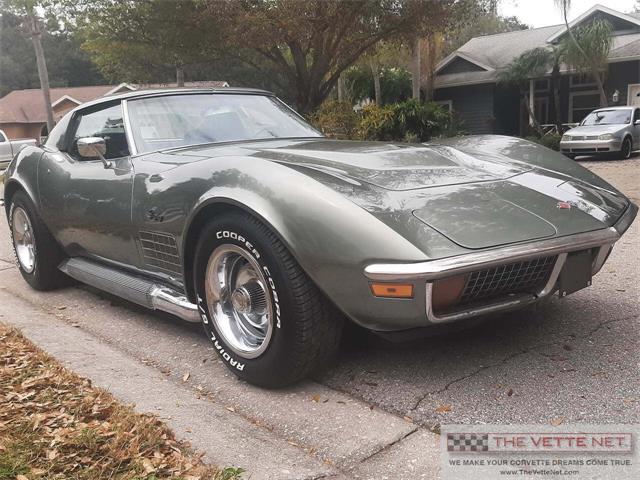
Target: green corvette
225	207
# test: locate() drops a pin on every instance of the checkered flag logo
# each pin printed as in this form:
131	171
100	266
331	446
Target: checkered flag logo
467	442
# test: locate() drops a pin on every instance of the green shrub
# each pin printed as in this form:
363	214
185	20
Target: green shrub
376	123
551	140
336	119
406	121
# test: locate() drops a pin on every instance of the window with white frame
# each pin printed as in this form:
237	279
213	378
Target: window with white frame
542	85
581	104
582	80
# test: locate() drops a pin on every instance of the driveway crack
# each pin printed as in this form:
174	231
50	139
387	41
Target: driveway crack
506	359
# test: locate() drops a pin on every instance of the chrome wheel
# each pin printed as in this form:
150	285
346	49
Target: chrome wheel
238	300
23	239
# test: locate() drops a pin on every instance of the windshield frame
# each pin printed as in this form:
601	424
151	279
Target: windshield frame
582	124
131	139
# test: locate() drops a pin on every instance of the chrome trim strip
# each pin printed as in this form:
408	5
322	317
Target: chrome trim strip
603	254
553	278
626	219
133	150
446	267
513	302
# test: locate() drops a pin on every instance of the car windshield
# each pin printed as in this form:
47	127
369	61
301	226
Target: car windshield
608	117
190	119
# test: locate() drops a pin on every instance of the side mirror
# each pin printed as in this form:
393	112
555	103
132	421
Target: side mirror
637	122
93	147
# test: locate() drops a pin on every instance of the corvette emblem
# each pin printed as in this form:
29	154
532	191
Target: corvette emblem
564	205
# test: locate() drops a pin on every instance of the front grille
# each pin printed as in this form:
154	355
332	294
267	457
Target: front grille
523	277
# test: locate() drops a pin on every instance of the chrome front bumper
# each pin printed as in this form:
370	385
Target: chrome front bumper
432	270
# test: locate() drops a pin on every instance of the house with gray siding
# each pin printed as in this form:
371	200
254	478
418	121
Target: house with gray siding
467	80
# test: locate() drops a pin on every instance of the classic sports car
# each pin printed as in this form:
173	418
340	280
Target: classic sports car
225	207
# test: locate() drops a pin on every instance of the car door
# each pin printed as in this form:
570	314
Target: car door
86	204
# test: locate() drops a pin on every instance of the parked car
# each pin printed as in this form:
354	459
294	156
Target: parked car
604	131
225	207
9	148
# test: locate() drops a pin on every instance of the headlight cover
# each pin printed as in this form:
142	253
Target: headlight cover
566	137
607	136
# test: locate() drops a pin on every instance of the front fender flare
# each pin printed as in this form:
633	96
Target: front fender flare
331	238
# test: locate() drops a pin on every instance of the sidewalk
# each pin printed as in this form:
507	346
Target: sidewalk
305	432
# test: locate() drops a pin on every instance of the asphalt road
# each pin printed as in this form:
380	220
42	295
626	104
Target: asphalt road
572	360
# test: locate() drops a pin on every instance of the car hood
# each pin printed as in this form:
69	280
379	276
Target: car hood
477	192
596	129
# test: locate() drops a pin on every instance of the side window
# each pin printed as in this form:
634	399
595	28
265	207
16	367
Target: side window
636	115
2	137
106	123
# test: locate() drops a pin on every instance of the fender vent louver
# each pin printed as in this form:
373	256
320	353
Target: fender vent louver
161	251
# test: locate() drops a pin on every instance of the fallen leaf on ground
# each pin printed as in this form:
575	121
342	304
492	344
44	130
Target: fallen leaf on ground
557	421
186	376
443	409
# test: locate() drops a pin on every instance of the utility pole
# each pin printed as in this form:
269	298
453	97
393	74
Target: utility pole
34	31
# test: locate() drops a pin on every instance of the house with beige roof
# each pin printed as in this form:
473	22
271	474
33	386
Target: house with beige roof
23	115
467	80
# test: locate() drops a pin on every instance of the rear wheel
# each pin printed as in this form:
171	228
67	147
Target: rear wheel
267	320
571	156
36	251
627	148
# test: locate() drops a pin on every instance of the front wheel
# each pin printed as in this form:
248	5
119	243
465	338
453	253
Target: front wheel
36	251
627	148
267	320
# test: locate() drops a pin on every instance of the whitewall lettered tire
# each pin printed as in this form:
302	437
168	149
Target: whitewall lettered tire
267	320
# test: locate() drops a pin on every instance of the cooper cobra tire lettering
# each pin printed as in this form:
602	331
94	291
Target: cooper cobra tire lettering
234	236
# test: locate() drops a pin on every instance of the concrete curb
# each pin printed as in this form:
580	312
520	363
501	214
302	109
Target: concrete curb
306	432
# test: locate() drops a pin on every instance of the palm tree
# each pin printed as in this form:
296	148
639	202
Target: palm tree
531	64
587	48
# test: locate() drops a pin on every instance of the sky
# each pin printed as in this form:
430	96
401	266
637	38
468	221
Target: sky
540	13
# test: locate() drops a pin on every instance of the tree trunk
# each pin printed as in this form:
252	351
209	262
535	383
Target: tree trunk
415	69
555	85
376	80
342	94
35	33
604	101
594	70
180	75
429	66
532	117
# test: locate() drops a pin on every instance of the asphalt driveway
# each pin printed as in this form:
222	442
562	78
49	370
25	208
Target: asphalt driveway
572	360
